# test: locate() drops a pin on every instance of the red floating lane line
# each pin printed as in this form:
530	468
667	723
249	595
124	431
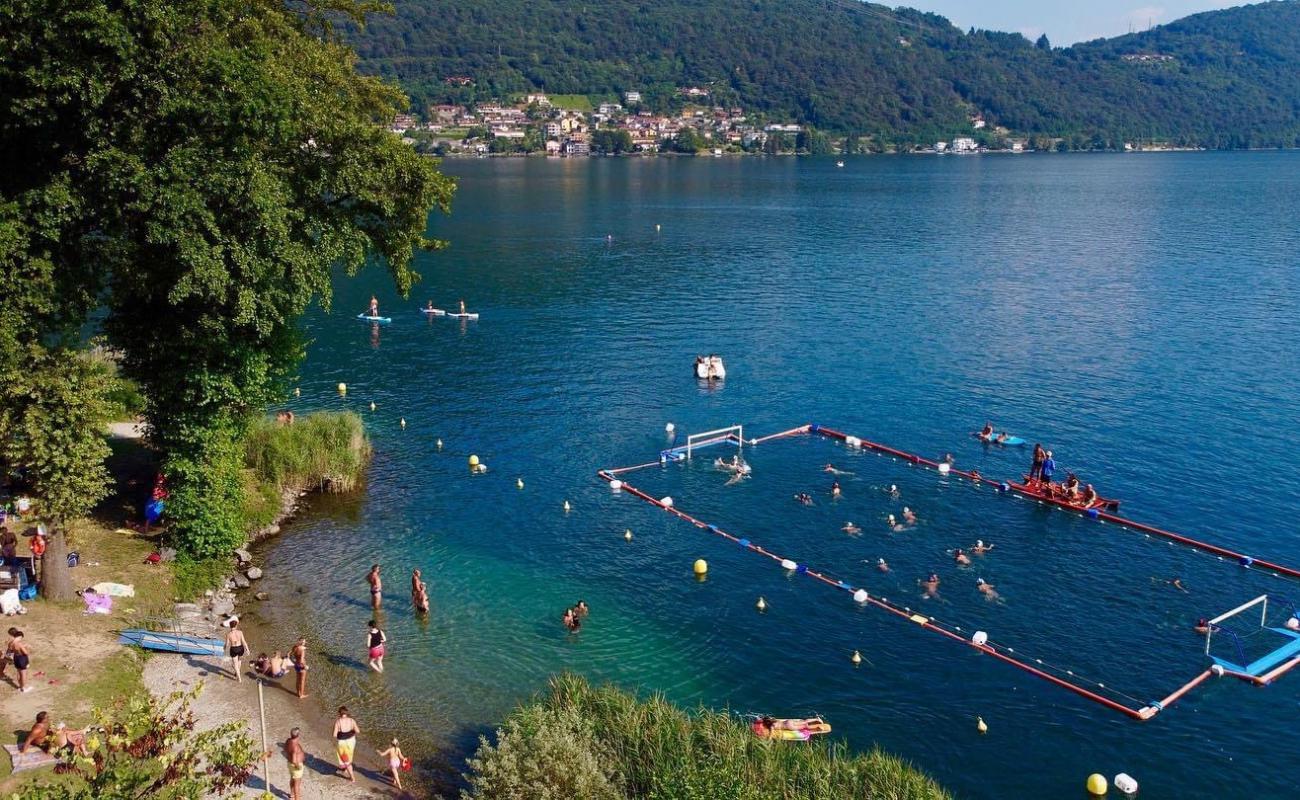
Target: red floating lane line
1190	685
1268	678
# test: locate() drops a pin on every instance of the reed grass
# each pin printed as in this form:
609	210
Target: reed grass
660	752
322	451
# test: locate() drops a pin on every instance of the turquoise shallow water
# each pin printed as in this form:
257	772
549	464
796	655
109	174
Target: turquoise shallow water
1136	314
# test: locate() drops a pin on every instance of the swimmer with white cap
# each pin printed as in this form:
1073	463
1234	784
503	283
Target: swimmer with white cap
881	565
909	516
893	490
979	548
893	523
849	527
961	558
986	589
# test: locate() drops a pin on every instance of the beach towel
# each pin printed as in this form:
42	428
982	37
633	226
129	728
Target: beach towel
97	603
32	759
114	589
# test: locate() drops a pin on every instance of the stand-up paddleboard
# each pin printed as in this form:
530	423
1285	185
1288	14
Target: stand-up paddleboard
434	312
1010	441
462	316
368	318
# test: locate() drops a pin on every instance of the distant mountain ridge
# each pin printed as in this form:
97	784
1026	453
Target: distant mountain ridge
1223	79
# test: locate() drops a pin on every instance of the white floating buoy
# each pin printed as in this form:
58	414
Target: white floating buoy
627	535
860	596
944	469
666	502
343	388
980	725
657	227
852	441
567	507
297	392
402	422
372	405
980	638
761	605
857	658
616	485
669	428
788	564
519	483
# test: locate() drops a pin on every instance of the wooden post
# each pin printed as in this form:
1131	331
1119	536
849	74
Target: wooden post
266	753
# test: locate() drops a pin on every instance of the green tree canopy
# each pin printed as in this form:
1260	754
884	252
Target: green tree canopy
198	168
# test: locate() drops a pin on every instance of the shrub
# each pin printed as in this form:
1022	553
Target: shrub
660	752
324	451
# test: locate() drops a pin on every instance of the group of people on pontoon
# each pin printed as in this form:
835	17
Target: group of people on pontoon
1041	471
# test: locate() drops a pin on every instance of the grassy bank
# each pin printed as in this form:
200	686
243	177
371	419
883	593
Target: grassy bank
606	744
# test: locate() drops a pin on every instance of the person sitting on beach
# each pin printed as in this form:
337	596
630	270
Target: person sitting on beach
262	664
909	516
986	589
931	585
849	527
961	558
979	548
39	735
277	666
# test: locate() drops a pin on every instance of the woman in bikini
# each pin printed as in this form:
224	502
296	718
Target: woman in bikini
345	738
376	586
375	642
395	761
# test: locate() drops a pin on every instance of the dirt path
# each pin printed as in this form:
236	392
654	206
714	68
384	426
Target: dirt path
223	700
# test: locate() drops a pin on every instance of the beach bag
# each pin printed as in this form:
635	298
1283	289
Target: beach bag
74	558
28	592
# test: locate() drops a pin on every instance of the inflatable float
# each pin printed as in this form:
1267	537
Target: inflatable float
710	368
1010	441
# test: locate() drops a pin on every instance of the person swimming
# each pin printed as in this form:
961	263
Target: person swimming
893	491
948	459
882	565
1002	438
931	585
849	527
1202	626
961	558
571	620
986	589
986	432
803	498
979	548
832	470
1175	582
835	489
909	516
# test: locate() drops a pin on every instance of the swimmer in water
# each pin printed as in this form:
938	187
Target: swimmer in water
430	307
986	589
908	516
736	477
931	585
961	558
835	489
1177	583
881	565
832	470
979	548
1202	626
948	459
849	527
803	498
986	432
893	491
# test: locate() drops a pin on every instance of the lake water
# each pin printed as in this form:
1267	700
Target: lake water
1135	313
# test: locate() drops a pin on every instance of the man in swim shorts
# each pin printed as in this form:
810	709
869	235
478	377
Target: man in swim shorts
20	656
236	646
376	586
297	758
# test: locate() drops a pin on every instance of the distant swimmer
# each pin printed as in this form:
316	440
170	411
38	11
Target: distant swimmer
736	477
832	470
572	620
961	558
849	527
835	489
1202	626
948	459
979	548
803	498
1002	438
893	491
609	237
374	306
894	524
986	432
1177	583
930	585
986	589
882	565
909	516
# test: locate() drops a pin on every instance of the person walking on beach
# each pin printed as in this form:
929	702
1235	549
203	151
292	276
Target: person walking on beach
20	656
375	642
376	586
395	762
298	655
345	738
297	758
236	646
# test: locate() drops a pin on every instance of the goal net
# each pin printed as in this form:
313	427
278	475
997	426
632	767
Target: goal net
732	434
1255	636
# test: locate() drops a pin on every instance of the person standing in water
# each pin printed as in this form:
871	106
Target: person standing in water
376	586
345	738
236	647
375	639
298	655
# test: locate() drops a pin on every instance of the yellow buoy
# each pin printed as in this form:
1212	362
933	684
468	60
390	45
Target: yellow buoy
438	444
627	535
761	605
343	388
519	482
701	566
372	405
857	658
297	392
1096	784
567	507
980	725
473	461
402	422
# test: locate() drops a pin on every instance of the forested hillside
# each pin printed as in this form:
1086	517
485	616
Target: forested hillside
1220	79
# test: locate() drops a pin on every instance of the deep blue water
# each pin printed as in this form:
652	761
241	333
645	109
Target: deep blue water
1135	313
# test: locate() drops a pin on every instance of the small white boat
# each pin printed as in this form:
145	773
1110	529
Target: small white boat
710	368
839	163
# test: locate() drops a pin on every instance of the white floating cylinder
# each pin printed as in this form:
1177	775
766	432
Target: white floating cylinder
616	485
980	638
944	469
788	564
860	595
852	441
1125	783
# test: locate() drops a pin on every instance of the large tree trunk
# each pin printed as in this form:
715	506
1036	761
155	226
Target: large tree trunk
56	578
